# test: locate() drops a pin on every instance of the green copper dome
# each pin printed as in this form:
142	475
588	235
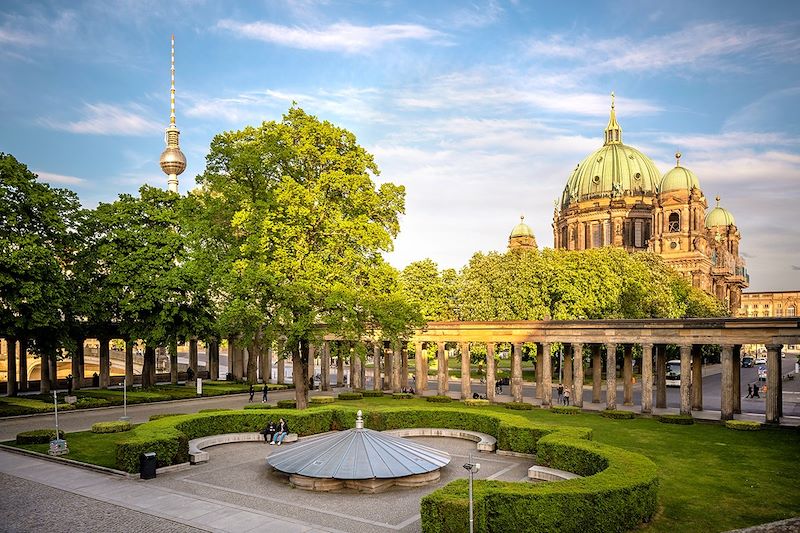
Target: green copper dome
521	229
719	216
679	178
614	170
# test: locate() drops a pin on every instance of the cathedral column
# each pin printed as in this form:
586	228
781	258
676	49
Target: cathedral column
697	377
516	372
686	376
441	373
490	372
611	376
547	376
627	375
647	378
597	376
661	376
466	382
581	236
420	378
577	370
774	401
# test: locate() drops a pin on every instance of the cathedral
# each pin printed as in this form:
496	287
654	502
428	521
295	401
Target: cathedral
617	197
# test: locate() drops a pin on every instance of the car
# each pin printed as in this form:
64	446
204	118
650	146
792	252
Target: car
762	373
761	360
747	361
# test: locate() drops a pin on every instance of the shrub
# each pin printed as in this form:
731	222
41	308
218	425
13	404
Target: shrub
287	404
615	414
438	399
475	402
519	406
566	410
38	436
402	396
259	405
89	403
321	400
214	410
372	393
350	396
743	425
159	416
116	426
683	420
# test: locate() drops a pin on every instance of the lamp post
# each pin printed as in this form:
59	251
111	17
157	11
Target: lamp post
472	468
125	400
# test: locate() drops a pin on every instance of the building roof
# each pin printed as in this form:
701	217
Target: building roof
719	216
521	229
679	178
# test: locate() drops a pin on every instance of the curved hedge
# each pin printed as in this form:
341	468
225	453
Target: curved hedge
115	426
618	493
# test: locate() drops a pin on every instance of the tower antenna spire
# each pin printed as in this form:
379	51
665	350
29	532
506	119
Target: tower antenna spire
172	85
173	162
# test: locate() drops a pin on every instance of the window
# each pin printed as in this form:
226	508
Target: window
790	311
637	234
597	237
674	223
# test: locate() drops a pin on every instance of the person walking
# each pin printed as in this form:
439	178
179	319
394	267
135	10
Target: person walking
566	396
252	393
560	390
264	394
755	391
281	431
749	391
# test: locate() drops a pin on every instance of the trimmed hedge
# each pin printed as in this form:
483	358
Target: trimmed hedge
286	404
371	393
682	420
258	406
618	492
617	415
116	426
90	403
439	398
159	416
214	410
321	400
743	425
519	406
350	396
474	402
566	410
38	436
402	396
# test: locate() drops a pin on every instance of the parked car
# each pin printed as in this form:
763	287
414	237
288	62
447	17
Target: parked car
761	360
747	361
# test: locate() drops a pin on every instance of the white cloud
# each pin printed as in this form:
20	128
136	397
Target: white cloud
9	37
109	119
342	36
59	179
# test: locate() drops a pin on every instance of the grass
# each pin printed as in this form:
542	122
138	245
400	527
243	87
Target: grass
697	464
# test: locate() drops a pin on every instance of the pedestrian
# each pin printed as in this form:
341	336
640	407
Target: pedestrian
566	396
252	393
749	391
269	431
755	391
311	383
281	431
69	384
264	394
560	392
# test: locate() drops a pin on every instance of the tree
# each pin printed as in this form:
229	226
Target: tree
308	224
432	291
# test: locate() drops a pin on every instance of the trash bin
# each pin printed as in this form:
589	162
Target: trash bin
147	465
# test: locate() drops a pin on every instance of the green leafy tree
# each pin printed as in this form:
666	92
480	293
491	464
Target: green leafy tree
432	291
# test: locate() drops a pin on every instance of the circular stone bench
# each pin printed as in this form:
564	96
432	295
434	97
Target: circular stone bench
543	473
196	446
486	443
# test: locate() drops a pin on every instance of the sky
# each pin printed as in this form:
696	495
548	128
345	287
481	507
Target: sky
480	109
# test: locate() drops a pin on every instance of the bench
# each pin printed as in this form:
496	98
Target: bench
486	443
196	446
543	473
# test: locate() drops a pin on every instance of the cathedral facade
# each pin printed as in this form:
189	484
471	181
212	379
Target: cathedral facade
617	197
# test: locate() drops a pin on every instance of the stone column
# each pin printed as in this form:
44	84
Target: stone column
281	355
697	378
611	375
238	362
326	366
129	363
23	364
193	354
737	379
627	375
173	362
362	372
577	370
340	366
77	364
312	351
105	362
661	376
355	363
351	368
490	373
397	353
597	376
686	376
441	373
539	365
466	383
567	367
419	369
516	373
726	387
404	366
44	373
377	349
774	401
11	346
265	363
547	375
213	359
647	378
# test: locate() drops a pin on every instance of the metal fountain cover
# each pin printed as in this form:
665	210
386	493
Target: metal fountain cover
358	454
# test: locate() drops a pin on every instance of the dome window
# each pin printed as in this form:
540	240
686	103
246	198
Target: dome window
674	223
637	176
596	180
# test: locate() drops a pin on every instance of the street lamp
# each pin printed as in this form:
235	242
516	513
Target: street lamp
472	468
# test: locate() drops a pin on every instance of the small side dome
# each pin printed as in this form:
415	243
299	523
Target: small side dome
679	178
719	216
521	229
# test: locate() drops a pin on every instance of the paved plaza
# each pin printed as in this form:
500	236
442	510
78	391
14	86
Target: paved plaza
234	491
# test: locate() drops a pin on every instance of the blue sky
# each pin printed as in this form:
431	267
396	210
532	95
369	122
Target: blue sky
481	109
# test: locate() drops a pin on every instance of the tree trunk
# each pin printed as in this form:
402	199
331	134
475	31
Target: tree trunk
300	373
44	373
148	366
254	351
